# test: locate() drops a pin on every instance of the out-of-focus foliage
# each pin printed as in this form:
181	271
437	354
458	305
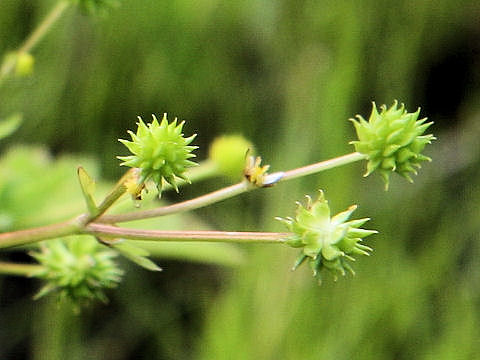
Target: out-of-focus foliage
287	74
34	187
9	125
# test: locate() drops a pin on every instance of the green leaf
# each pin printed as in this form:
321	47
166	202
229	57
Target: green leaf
88	188
136	254
10	124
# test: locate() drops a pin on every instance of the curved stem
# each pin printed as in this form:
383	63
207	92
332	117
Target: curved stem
110	231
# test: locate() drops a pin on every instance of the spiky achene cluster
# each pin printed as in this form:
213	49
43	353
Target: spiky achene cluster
327	242
79	269
392	141
160	151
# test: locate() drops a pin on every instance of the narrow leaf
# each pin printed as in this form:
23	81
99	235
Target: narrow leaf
88	188
136	255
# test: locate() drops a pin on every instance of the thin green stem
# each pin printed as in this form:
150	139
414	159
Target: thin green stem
228	192
324	165
188	205
34	38
109	231
205	170
116	193
7	268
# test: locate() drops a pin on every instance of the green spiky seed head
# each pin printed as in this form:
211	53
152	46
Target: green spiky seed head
392	139
327	242
160	151
78	269
228	153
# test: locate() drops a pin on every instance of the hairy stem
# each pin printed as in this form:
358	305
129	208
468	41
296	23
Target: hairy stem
110	231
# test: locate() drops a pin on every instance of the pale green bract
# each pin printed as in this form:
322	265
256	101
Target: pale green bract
392	140
327	242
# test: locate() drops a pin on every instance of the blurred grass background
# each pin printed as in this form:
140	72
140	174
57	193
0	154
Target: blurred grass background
287	75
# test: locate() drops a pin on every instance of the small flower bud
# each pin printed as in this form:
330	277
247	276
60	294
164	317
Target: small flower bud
257	175
392	141
228	153
328	242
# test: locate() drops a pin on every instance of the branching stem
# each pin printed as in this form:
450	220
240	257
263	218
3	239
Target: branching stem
96	224
228	192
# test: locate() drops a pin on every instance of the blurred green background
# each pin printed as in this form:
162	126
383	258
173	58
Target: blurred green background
287	75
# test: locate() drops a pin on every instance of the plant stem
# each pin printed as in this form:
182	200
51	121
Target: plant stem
35	36
205	170
188	205
118	190
324	165
23	237
18	269
228	192
110	231
84	223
